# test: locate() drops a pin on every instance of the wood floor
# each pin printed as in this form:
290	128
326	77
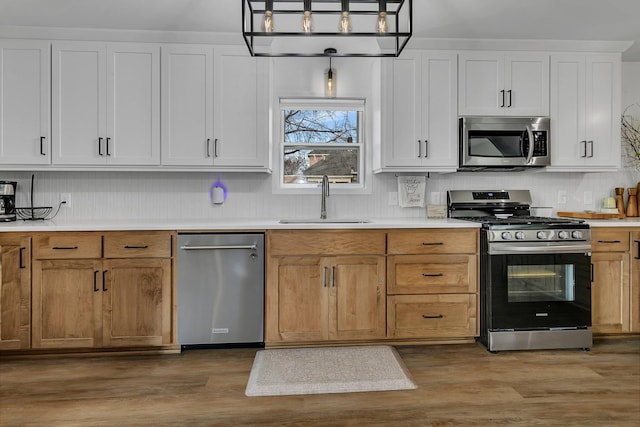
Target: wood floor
458	385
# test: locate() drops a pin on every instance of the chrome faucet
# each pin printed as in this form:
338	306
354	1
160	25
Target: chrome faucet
325	194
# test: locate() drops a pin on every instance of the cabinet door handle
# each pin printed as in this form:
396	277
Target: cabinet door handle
638	242
432	243
42	153
591	149
584	148
333	277
433	274
324	277
136	247
591	272
215	147
21	263
95	281
426	148
419	148
99	146
207	147
108	139
432	316
609	241
64	248
502	92
509	92
104	281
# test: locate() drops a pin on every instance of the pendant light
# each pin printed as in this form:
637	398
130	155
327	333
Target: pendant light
382	25
344	26
267	23
306	17
330	88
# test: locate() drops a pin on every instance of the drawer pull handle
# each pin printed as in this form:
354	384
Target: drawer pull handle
432	316
95	281
136	247
432	243
608	241
65	248
433	275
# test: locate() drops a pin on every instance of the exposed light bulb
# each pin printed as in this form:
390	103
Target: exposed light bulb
330	84
344	26
306	21
382	25
267	23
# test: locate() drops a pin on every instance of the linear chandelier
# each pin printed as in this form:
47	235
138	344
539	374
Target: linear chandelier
305	28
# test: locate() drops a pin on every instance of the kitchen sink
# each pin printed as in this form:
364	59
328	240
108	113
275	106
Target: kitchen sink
325	221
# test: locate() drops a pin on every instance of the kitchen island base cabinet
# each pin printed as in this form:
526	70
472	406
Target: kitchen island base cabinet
15	292
120	298
325	297
635	281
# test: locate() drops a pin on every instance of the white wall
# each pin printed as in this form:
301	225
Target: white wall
185	195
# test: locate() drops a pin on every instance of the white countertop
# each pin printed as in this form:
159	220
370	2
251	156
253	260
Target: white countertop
255	224
241	224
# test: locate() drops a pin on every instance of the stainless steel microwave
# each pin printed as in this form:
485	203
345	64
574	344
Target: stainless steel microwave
503	143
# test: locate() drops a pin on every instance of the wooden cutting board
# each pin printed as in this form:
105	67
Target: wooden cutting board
591	215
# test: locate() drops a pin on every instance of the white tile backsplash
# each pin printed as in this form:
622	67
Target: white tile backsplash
186	195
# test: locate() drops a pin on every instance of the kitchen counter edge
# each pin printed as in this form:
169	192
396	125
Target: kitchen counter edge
196	225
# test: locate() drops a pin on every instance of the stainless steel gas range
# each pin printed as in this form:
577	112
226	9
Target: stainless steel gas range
535	272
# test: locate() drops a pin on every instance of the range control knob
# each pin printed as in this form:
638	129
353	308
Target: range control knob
576	234
506	235
519	235
563	235
541	235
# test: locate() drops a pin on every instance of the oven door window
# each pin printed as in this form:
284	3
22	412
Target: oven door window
538	291
537	283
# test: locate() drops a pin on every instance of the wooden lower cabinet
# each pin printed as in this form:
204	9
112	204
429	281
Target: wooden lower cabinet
615	299
432	316
635	281
15	292
102	302
315	294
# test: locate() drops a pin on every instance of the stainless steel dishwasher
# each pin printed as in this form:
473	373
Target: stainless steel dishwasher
220	290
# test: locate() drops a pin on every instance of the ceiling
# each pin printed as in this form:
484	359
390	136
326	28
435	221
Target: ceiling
594	20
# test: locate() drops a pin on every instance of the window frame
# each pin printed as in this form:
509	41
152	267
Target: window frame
336	104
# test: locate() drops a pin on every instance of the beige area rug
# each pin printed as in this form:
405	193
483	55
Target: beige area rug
327	370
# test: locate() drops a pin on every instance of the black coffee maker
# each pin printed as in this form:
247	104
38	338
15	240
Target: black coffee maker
8	201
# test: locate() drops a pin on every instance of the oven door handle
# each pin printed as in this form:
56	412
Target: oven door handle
507	249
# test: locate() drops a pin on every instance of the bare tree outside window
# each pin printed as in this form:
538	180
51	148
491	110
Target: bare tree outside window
321	142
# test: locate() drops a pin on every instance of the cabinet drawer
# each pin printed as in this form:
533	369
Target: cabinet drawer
437	241
609	240
326	242
432	274
67	246
137	245
432	316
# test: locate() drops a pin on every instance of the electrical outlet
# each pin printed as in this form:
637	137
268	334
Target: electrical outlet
66	198
588	198
562	197
393	198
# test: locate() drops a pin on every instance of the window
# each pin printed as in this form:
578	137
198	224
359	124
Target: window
321	137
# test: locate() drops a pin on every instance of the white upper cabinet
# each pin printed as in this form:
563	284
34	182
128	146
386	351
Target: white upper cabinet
419	106
106	103
585	112
503	84
25	102
214	109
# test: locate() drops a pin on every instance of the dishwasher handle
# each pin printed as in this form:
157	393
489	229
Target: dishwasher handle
218	247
